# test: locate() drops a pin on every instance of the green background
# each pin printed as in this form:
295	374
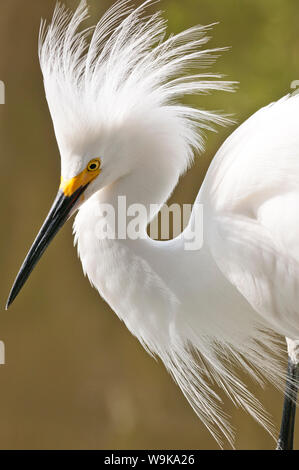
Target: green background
75	378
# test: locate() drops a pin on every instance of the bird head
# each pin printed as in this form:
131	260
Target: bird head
113	92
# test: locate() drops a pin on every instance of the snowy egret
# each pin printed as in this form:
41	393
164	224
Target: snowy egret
113	93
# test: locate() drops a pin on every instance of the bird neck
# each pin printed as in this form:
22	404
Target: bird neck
141	193
121	268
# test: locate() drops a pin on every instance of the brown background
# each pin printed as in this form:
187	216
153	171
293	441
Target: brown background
75	378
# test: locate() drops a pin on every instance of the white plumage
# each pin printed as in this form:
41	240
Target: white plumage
202	312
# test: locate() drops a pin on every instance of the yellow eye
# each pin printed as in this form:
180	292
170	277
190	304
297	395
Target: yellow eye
94	165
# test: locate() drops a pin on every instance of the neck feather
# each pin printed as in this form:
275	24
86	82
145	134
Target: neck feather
144	191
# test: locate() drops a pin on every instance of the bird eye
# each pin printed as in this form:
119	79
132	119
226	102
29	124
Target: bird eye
94	165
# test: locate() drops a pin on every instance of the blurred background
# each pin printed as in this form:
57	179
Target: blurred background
74	377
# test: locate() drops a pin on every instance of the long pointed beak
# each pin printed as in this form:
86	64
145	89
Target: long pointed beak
61	210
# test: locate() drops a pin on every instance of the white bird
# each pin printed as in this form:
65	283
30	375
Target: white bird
113	93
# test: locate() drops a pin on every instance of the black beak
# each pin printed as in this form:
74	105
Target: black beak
62	209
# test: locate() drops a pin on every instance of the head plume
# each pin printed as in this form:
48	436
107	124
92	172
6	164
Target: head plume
121	70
